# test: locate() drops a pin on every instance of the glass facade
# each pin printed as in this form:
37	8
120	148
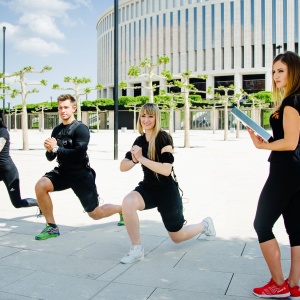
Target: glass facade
216	38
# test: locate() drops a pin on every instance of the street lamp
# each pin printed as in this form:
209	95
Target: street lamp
3	113
278	48
116	72
8	119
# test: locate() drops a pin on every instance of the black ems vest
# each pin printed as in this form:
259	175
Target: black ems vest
65	139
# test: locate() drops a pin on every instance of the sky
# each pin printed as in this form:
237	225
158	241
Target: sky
57	33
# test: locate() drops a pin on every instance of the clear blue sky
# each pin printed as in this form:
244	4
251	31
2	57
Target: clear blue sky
58	33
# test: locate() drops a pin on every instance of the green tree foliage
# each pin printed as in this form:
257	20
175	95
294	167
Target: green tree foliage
264	96
124	100
145	69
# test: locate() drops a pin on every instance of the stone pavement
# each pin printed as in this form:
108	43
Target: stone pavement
221	179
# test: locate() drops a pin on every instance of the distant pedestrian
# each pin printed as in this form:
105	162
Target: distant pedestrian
9	173
281	192
68	144
153	149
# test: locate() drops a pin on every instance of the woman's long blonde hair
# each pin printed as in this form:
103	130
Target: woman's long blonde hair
153	110
292	61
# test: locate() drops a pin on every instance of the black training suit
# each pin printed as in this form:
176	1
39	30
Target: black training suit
281	192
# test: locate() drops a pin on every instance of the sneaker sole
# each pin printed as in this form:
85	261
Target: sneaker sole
45	238
273	296
126	263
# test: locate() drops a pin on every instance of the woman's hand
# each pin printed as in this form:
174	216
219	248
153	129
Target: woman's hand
256	139
136	153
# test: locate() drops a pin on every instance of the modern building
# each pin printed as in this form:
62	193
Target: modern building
231	41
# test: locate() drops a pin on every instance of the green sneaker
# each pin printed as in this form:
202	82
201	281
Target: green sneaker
48	232
121	222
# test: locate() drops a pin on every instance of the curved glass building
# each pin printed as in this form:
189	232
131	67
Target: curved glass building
230	41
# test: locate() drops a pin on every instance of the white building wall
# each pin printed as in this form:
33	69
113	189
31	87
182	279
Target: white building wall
182	53
217	41
247	41
237	39
227	39
290	26
257	35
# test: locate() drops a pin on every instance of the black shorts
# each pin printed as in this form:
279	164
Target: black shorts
168	202
82	182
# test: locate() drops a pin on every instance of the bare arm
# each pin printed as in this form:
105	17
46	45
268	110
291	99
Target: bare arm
126	165
291	127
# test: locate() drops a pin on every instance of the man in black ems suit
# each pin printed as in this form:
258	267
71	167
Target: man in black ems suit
69	144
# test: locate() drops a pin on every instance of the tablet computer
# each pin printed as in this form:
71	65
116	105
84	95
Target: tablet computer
250	123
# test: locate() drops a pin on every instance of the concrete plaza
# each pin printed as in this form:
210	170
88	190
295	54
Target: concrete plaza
221	179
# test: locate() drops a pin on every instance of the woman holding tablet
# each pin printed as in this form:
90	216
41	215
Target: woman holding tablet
281	192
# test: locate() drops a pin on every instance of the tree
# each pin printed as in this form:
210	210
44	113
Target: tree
20	78
169	100
224	99
186	89
97	104
5	87
77	90
133	103
16	111
41	107
149	75
213	103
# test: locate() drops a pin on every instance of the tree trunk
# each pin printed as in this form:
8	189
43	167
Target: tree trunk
43	120
226	120
24	118
237	134
214	119
25	127
134	119
78	110
253	112
171	120
98	112
151	92
186	120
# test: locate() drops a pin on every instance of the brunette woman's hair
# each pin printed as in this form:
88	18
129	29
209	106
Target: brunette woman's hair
292	61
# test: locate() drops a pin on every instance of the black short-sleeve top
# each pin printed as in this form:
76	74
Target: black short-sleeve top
276	121
163	139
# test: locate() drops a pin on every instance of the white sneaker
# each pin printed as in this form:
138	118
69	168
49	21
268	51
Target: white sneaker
210	232
133	255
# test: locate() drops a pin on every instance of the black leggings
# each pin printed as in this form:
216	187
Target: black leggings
10	176
280	196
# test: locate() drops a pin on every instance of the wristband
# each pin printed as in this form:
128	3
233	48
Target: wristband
135	162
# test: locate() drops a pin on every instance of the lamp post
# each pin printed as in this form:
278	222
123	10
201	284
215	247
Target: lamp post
3	113
8	119
116	84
